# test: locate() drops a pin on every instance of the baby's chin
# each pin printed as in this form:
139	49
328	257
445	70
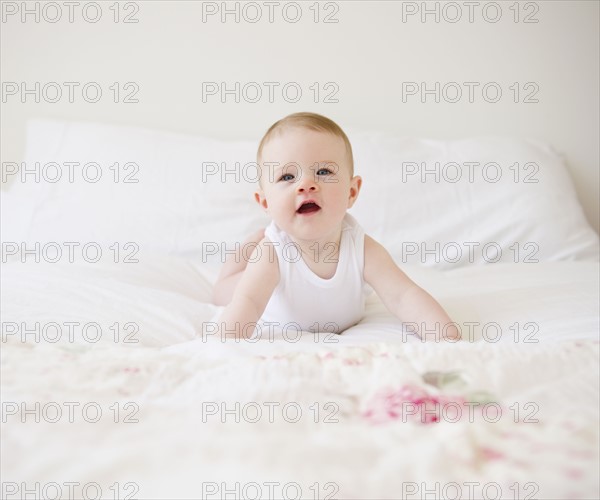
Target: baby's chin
314	233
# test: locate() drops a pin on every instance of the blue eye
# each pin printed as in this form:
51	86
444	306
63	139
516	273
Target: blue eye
325	170
286	177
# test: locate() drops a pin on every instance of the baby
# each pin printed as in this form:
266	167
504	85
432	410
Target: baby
313	266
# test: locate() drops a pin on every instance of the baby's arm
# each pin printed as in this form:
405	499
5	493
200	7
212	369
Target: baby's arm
401	295
252	292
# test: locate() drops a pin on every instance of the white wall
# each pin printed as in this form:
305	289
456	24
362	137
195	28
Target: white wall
368	54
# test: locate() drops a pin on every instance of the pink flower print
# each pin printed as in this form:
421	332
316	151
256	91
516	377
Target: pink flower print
409	403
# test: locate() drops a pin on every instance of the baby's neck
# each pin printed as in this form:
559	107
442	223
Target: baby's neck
325	249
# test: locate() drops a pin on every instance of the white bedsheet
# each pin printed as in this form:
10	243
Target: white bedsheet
173	376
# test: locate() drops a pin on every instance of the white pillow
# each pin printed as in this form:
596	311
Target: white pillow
179	204
183	205
473	201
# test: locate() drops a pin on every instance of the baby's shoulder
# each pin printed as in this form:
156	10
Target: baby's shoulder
372	245
262	263
375	252
264	253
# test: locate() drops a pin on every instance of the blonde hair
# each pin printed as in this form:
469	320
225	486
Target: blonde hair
311	121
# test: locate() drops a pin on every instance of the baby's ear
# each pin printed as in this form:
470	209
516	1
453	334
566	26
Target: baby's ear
259	196
355	185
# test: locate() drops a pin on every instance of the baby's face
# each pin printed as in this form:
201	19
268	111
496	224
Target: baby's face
300	166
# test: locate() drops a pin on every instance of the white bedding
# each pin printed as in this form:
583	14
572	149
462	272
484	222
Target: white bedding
129	339
171	373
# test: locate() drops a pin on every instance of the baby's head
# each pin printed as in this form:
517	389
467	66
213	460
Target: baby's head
306	121
307	179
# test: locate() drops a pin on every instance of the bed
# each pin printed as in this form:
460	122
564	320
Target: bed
113	387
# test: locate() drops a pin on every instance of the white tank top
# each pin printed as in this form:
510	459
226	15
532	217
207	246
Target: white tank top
306	301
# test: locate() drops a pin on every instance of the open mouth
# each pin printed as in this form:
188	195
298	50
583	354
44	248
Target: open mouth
308	207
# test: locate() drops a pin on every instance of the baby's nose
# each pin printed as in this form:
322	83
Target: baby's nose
306	183
303	187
